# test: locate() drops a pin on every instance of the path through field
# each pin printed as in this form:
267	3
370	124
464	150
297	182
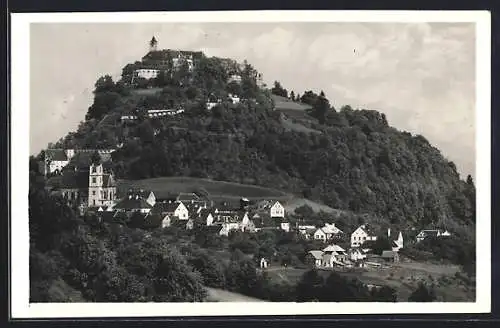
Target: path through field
220	295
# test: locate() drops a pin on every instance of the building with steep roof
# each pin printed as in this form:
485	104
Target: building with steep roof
102	186
362	234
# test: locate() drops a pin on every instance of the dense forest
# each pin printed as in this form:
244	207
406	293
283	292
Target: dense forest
355	162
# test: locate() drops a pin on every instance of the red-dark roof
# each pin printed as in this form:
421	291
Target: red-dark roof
132	203
70	180
56	155
165	207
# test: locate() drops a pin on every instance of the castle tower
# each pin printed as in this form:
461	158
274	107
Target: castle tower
95	184
153	44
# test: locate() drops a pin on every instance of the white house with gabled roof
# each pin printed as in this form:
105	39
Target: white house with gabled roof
360	235
277	210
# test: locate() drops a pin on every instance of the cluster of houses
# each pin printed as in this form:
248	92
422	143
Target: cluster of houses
359	252
334	255
84	178
141	208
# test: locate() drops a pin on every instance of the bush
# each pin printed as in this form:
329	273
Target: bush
423	294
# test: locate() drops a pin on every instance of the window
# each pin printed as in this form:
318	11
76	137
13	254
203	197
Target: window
93	193
93	180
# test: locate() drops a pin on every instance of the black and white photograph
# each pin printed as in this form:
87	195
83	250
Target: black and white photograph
308	161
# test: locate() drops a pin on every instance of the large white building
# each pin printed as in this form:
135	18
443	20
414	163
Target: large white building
146	73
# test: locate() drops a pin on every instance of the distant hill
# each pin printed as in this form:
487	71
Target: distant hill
349	159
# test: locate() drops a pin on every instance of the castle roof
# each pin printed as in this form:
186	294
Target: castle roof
56	155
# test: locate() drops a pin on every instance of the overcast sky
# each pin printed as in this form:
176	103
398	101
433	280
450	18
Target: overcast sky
422	76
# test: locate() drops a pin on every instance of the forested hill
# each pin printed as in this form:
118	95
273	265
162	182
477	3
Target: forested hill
348	159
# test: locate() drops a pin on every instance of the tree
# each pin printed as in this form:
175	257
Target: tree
378	246
175	281
104	84
292	95
310	286
279	90
95	158
384	294
320	108
423	294
210	268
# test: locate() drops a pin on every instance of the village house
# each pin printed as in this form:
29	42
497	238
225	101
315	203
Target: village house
327	232
147	195
206	216
307	231
360	235
335	255
277	210
193	198
436	233
396	244
355	255
265	222
285	226
171	212
133	203
329	257
315	258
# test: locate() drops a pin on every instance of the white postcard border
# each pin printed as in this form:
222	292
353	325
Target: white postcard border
19	138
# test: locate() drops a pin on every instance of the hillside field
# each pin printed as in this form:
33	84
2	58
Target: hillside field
165	186
220	190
